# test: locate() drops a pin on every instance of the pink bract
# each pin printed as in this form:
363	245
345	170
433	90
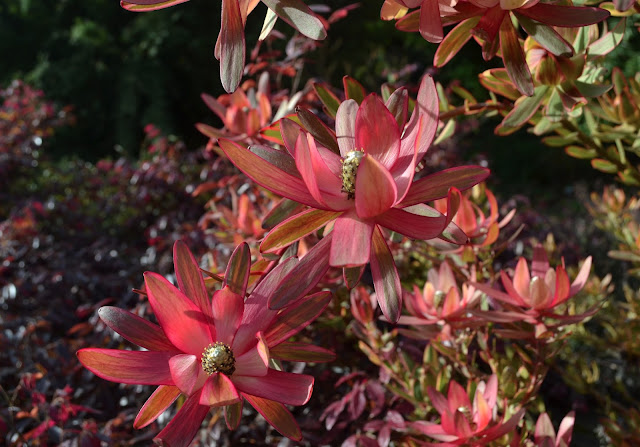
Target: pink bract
363	187
214	351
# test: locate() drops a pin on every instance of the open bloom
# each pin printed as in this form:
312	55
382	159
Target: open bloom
215	351
440	306
230	46
533	295
463	423
360	180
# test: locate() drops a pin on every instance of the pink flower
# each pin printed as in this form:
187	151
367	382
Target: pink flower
440	306
462	423
532	296
215	351
360	180
230	46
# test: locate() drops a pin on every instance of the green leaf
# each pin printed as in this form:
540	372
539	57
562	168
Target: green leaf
328	99
561	140
233	415
299	16
604	165
270	19
353	89
523	110
592	90
580	152
608	42
545	36
280	212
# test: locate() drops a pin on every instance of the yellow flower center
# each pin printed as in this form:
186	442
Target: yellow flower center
218	357
350	165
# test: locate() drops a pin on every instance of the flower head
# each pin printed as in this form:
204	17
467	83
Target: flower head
214	351
360	180
463	422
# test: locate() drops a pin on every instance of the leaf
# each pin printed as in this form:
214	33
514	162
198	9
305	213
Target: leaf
232	50
436	186
604	165
561	140
299	16
277	415
318	129
609	41
545	36
330	101
580	152
523	110
514	59
454	41
296	227
353	89
238	269
270	19
566	16
149	5
386	281
233	415
592	90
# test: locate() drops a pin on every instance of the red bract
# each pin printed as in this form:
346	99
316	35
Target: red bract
462	423
362	187
230	46
216	352
534	295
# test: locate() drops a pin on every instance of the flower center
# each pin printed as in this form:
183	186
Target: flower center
350	165
218	357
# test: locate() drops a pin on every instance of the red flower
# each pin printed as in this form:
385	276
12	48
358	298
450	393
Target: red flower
462	423
364	186
216	351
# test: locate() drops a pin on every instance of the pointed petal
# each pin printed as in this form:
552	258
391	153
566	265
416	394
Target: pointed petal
545	434
562	289
312	268
346	126
301	352
185	369
385	278
398	105
227	308
438	400
254	362
482	413
236	277
296	317
521	278
520	300
582	277
351	244
290	131
295	228
375	188
413	225
181	430
219	391
377	131
315	172
231	41
277	415
299	16
135	329
268	175
182	321
457	396
283	387
157	403
565	431
190	280
132	367
436	186
424	121
497	294
316	127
